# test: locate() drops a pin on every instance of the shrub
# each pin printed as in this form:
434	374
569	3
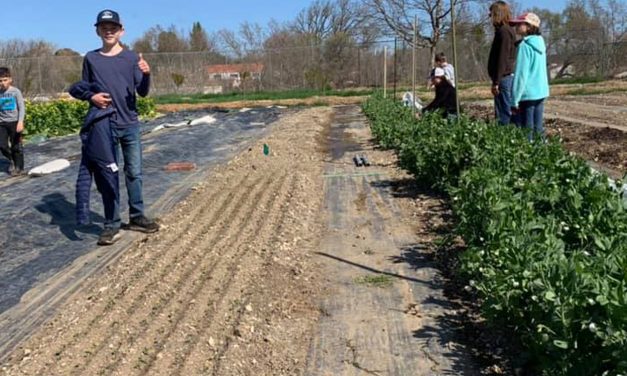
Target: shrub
546	236
63	117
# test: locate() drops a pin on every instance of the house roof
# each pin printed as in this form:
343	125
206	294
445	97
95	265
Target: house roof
235	68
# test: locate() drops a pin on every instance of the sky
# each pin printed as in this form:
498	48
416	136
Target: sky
69	23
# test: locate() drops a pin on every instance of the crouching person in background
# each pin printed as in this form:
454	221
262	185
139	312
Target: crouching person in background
445	99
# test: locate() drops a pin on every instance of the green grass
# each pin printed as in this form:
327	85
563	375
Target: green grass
379	280
577	80
261	95
593	91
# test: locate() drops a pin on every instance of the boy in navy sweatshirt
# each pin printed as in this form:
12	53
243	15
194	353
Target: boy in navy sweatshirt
121	73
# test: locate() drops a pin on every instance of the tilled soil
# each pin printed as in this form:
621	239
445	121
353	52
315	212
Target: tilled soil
294	263
610	87
225	288
313	101
593	112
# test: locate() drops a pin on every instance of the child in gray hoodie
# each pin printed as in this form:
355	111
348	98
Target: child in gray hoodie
12	112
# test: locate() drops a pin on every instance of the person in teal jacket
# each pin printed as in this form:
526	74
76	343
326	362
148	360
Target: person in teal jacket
531	82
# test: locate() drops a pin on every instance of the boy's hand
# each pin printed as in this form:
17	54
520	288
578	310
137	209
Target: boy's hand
143	65
101	100
495	90
20	127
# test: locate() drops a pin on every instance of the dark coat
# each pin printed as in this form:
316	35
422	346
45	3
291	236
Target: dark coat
445	99
502	53
98	160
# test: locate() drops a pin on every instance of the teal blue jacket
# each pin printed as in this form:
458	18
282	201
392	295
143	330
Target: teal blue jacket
531	81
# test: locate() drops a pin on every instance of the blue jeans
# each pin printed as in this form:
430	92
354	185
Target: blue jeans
503	101
129	140
531	117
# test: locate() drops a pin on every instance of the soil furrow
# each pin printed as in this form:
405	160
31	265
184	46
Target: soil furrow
135	299
228	286
270	231
206	313
104	307
173	288
221	274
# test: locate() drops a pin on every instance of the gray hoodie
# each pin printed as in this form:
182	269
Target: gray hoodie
11	105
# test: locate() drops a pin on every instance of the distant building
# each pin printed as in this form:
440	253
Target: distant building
234	72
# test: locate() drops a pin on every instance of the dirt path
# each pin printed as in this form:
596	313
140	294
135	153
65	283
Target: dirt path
386	313
290	264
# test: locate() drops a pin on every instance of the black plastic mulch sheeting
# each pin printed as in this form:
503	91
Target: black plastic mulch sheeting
39	236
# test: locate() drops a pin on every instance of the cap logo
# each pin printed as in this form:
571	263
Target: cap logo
107	14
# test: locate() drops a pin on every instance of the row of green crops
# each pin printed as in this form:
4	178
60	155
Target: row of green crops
63	117
546	236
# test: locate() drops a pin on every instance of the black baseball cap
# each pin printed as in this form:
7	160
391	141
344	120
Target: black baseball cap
108	15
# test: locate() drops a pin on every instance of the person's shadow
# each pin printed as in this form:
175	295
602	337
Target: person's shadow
63	214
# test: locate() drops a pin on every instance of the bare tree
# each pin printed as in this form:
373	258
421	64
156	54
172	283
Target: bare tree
230	43
473	43
398	15
252	37
149	41
27	60
315	20
171	40
325	18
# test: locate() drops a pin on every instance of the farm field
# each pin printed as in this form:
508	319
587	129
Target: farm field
271	266
298	262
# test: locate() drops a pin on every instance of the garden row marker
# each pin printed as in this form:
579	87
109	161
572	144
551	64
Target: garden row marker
180	166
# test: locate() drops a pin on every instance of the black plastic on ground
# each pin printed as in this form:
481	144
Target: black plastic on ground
39	236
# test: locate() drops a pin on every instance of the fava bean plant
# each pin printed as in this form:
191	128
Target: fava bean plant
546	235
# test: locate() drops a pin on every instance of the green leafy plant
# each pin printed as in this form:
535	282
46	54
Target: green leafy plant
64	117
546	236
178	79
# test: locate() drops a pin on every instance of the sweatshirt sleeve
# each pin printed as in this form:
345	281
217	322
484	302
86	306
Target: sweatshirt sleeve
503	53
521	74
21	106
142	81
82	92
493	60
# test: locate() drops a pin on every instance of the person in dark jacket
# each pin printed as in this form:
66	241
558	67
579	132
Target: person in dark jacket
502	61
98	160
445	95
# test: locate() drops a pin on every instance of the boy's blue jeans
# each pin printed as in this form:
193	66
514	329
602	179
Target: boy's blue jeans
503	101
129	140
532	117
